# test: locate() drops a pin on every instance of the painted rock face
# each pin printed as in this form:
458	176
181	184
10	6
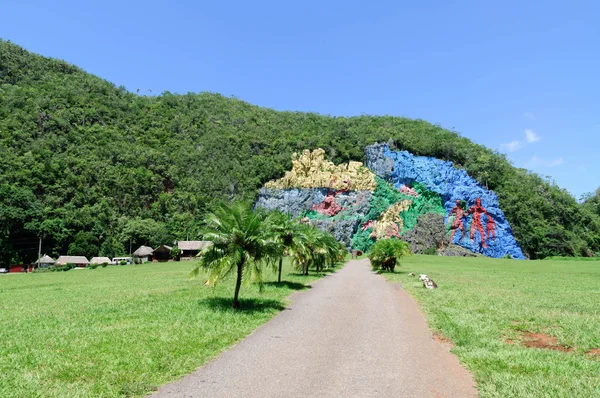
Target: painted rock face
388	197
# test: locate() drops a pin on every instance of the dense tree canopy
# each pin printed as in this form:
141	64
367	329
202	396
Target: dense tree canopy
79	155
591	202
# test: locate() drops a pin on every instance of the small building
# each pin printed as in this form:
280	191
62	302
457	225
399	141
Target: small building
100	260
143	254
45	261
78	261
163	253
119	260
191	248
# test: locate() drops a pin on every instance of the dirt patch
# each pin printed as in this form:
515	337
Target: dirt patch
444	341
595	352
542	340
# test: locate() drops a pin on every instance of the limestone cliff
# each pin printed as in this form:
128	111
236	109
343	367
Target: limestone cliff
398	195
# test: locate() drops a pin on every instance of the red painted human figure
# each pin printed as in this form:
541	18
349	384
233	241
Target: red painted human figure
477	210
490	227
458	213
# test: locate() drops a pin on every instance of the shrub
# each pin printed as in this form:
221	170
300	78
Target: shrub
432	251
93	266
65	267
176	253
123	262
104	265
385	253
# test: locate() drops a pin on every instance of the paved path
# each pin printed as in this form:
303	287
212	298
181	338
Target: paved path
352	335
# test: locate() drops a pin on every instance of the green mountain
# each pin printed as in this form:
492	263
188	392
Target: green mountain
93	168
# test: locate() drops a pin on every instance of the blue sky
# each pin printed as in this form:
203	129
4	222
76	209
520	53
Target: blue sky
519	77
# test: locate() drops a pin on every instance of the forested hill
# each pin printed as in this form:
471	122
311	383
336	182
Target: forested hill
92	167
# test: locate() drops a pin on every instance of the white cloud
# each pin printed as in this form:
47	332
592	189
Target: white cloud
512	146
539	162
529	115
531	137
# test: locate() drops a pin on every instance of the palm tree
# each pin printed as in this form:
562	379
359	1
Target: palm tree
241	242
314	248
328	250
386	252
287	233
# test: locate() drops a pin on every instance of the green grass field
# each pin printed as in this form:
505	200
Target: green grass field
483	305
121	331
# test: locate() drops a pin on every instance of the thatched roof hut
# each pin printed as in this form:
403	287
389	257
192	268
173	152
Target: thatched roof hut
79	261
193	244
143	254
143	251
45	260
163	249
100	260
191	248
163	253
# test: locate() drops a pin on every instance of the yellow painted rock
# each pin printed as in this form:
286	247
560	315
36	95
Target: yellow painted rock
312	170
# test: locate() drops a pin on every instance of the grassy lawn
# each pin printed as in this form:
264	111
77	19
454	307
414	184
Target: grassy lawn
122	331
485	305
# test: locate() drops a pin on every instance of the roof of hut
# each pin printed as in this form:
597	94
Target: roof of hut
163	249
45	259
100	260
143	251
193	244
62	260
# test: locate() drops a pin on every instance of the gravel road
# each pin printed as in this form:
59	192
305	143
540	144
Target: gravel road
353	334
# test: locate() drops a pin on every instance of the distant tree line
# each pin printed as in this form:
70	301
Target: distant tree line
93	168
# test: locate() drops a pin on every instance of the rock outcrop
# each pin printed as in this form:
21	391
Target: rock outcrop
341	229
428	234
312	170
424	201
452	184
378	163
296	201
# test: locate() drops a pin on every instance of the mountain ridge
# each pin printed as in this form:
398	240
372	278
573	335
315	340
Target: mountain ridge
93	168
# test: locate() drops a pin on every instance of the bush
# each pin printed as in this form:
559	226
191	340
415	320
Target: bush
65	267
432	251
123	262
104	265
385	253
93	266
176	253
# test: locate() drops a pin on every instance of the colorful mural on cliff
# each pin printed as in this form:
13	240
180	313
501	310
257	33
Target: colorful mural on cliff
425	201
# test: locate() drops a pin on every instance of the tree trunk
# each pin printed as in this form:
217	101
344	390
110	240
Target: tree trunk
389	264
238	284
280	266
